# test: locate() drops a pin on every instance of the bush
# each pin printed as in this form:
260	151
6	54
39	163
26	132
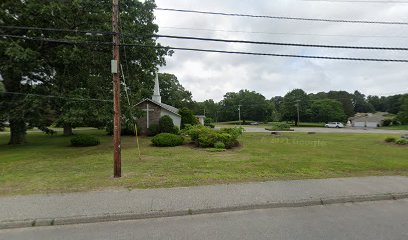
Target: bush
390	139
206	137
167	140
280	127
402	142
166	124
84	141
387	122
153	130
395	122
219	145
209	122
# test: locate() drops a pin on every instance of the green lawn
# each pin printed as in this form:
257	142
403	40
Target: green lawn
402	127
47	164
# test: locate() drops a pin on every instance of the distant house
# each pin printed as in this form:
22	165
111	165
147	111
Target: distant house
154	109
201	119
369	120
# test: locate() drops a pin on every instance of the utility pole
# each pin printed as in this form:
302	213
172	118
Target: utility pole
239	114
297	106
117	168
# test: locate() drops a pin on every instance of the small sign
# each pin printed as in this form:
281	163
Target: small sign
114	66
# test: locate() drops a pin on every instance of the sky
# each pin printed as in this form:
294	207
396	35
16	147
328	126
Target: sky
211	75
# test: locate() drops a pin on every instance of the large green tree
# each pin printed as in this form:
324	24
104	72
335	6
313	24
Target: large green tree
78	70
403	113
172	92
292	101
253	106
346	100
327	110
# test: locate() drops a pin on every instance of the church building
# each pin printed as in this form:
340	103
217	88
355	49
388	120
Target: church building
154	109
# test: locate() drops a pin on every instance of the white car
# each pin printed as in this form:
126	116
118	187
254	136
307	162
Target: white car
334	125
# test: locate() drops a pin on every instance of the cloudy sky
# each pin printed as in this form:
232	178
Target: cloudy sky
211	75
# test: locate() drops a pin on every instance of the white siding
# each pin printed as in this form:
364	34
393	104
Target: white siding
176	118
372	124
359	124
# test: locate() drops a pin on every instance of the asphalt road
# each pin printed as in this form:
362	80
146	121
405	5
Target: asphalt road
333	130
368	220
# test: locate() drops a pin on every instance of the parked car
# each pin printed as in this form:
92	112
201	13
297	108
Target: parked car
334	125
254	123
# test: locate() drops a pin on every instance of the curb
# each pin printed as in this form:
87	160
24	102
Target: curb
135	216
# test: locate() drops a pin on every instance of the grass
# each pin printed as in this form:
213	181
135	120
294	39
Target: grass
266	125
47	164
402	127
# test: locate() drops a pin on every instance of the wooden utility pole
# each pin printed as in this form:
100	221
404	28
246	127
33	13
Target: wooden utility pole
239	113
117	168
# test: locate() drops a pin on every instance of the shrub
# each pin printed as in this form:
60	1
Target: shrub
402	142
84	141
280	127
235	132
187	117
387	122
390	139
219	145
166	124
209	122
395	122
195	131
207	139
167	140
153	130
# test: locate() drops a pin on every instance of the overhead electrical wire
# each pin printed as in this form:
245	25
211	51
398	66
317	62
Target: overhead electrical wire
356	1
86	32
59	97
282	33
284	17
281	43
216	51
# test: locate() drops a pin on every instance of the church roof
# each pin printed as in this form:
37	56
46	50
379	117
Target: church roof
162	105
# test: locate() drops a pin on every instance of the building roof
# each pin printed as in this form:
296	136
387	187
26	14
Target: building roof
370	117
162	105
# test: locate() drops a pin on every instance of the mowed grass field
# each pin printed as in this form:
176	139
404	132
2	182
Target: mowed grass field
48	164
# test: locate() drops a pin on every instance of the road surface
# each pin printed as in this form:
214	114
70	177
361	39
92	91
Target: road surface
333	130
368	220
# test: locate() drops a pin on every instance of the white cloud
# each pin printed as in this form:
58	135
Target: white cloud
211	75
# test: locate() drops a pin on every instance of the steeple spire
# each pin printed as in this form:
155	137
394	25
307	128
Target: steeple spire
156	93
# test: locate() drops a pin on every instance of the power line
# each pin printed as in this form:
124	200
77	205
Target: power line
59	97
355	1
87	32
283	33
283	17
217	51
61	41
280	43
275	54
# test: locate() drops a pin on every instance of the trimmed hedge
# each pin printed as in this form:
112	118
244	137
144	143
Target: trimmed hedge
167	140
402	141
390	139
280	127
84	141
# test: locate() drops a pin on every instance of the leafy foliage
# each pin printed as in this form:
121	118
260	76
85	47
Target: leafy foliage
327	110
167	140
402	141
206	137
390	139
166	125
187	117
281	126
289	107
84	141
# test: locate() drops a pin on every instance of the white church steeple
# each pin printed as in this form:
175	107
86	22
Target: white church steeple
156	94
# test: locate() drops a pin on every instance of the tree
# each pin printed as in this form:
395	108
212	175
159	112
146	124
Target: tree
393	104
378	103
403	113
254	106
327	110
187	117
360	103
63	69
289	109
346	100
172	92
